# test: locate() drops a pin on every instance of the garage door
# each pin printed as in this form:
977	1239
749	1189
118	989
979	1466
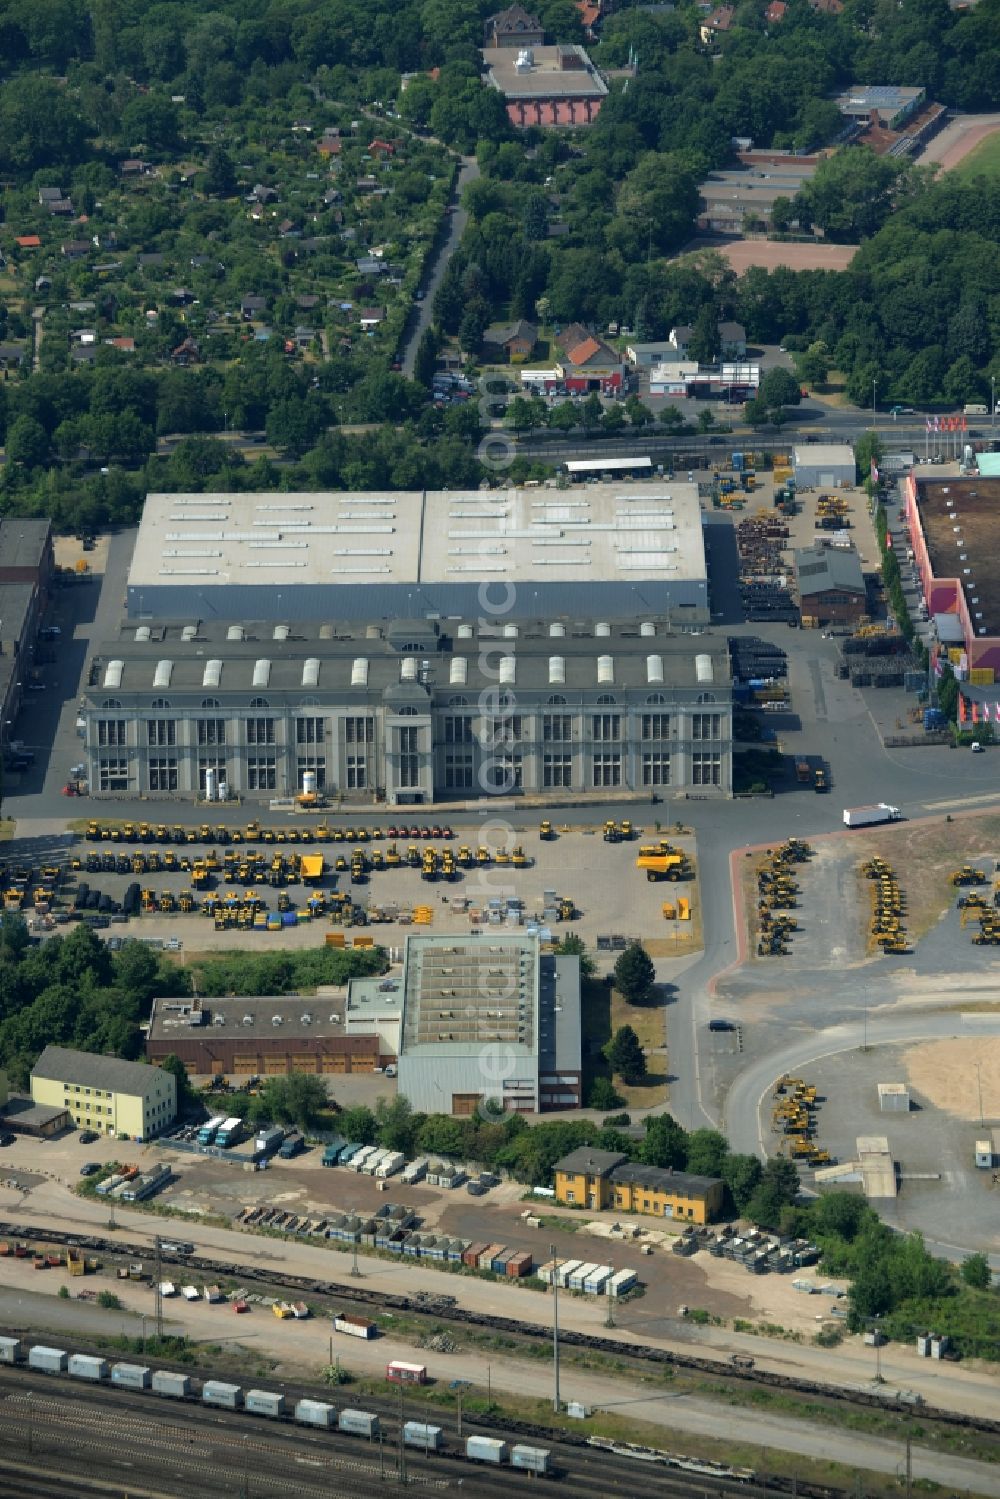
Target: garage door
826	481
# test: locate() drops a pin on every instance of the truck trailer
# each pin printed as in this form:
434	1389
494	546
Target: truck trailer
869	817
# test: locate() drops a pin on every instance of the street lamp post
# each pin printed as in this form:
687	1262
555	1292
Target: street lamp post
993	401
874	422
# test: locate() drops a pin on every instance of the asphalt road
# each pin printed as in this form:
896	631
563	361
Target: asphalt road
437	262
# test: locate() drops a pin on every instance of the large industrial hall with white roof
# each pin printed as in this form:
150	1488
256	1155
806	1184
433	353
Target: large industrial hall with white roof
414	647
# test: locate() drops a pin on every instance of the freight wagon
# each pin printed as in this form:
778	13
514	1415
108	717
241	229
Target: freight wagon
359	1423
355	1327
315	1413
228	1396
420	1434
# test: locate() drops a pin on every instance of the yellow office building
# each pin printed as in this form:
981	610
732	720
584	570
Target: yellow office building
127	1100
588	1178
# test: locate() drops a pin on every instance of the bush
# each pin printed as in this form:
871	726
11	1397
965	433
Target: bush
602	1094
109	1300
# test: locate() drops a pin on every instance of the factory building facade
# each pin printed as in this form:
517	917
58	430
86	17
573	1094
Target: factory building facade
491	1021
413	648
412	712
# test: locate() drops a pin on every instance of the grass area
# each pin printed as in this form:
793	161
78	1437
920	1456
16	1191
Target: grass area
649	1025
983	161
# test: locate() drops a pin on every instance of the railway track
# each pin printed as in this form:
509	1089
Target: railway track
62	1422
444	1308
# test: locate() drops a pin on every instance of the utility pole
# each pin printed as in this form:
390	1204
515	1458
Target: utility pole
158	1292
402	1444
609	1320
909	1466
556	1402
354	1261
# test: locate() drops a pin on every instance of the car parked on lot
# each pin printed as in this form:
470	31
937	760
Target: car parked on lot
7	1139
90	1168
88	1136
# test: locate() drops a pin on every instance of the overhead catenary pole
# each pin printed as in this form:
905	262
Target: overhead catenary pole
556	1402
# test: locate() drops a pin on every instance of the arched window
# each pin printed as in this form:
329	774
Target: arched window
606	698
556	699
210	702
259	702
458	702
158	704
111	702
707	697
408	712
655	700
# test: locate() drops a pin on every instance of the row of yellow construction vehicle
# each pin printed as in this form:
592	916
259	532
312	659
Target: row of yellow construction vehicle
887	928
618	832
793	1115
979	907
664	861
778	893
253	832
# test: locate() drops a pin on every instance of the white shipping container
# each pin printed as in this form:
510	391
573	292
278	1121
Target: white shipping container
357	1161
131	1376
83	1366
355	1327
168	1382
217	1392
315	1413
595	1283
47	1360
623	1281
390	1164
359	1423
11	1350
373	1162
416	1170
579	1276
486	1449
535	1459
565	1269
420	1434
264	1403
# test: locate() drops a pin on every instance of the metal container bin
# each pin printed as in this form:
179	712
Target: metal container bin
264	1403
471	1255
519	1264
82	1366
216	1392
596	1283
535	1459
11	1351
167	1382
358	1423
47	1360
486	1450
420	1434
623	1281
131	1376
315	1413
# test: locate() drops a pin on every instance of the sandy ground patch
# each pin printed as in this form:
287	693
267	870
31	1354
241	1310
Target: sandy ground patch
950	1075
924	854
744	253
957	139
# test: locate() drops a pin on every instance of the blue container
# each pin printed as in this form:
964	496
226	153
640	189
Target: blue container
737	463
289	918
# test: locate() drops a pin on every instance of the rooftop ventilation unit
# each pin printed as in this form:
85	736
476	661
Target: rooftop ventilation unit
235	632
508	670
408	669
261	672
310	672
647	629
654	670
557	631
282	632
605	670
213	674
602	630
189	632
113	673
557	671
510	632
359	672
465	632
162	674
143	634
459	672
703	669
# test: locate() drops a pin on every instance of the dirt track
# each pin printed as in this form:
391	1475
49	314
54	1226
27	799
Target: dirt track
744	253
957	139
